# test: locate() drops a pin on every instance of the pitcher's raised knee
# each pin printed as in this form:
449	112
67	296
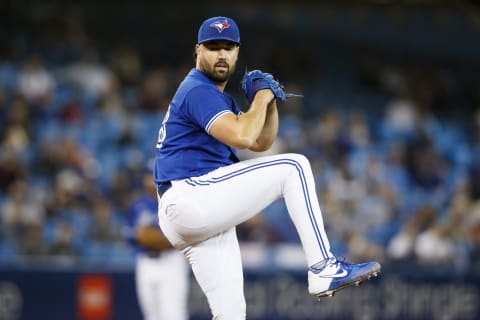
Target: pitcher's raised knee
299	158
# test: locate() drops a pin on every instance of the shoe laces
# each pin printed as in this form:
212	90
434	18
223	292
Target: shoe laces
338	261
333	262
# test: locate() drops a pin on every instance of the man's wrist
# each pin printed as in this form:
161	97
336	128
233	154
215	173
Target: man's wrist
265	95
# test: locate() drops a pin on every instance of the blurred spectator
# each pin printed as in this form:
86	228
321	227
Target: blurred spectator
22	215
327	135
395	173
89	74
63	243
267	228
359	135
10	168
473	226
126	63
291	126
105	227
474	176
111	103
33	243
17	131
35	82
401	118
401	245
155	88
445	241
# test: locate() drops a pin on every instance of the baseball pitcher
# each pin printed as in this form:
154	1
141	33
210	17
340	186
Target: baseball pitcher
205	191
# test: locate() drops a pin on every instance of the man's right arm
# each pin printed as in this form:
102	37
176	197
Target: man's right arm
242	131
270	129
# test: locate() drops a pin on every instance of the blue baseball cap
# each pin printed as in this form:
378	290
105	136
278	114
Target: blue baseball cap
219	28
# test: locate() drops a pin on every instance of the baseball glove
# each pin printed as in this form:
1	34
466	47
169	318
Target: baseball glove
256	80
152	239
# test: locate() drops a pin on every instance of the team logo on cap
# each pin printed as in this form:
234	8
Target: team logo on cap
220	25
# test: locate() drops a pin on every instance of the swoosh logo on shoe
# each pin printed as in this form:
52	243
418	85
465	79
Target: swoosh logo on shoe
342	274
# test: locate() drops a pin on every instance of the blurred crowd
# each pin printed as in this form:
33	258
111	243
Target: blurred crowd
397	181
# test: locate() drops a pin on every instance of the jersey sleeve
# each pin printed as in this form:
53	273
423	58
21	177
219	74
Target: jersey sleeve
205	105
235	108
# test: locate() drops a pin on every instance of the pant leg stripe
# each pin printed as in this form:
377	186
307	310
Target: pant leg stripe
199	182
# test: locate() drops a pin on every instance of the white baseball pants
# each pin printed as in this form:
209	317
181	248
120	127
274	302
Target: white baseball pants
162	285
199	214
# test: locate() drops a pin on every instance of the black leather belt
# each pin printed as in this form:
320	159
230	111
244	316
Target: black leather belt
153	254
163	187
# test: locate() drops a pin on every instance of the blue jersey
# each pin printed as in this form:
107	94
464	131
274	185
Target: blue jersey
142	212
184	147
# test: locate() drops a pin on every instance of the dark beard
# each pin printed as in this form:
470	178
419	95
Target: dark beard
218	77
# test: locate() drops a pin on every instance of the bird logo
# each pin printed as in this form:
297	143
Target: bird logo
220	25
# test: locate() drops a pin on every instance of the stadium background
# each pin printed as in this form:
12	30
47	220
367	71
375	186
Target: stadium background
390	121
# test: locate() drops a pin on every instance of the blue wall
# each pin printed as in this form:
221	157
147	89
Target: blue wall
52	294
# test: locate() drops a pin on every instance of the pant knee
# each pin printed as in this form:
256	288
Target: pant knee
300	159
